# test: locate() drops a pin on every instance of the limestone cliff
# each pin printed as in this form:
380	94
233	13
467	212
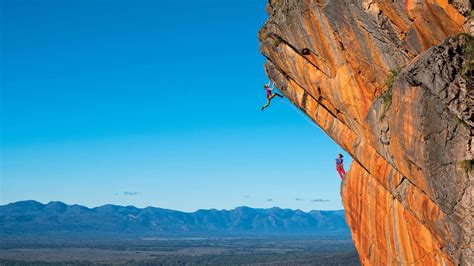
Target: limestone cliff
392	83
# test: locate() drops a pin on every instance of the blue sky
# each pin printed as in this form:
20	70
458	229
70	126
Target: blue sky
151	103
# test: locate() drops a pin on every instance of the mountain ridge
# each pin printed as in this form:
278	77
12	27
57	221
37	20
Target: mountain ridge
154	207
32	218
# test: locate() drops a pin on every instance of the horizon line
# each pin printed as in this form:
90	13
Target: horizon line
155	207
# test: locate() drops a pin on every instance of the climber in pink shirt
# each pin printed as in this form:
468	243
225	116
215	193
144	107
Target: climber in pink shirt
340	166
270	95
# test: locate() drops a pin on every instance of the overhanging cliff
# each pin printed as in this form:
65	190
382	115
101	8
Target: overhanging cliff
391	82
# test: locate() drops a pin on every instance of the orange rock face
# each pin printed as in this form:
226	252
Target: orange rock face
391	83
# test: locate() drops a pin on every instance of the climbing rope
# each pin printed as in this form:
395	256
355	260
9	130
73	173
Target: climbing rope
300	113
305	117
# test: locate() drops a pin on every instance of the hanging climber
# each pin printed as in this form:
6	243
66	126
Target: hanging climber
340	166
270	95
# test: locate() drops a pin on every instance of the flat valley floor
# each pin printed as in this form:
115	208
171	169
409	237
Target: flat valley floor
182	251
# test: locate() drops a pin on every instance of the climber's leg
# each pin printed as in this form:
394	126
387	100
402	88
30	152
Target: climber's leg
341	172
269	98
267	104
277	94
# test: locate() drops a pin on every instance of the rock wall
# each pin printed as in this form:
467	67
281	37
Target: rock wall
392	83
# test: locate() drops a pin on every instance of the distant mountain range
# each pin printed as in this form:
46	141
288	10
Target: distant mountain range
32	218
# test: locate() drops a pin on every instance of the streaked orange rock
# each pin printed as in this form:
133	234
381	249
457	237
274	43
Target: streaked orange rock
407	201
387	231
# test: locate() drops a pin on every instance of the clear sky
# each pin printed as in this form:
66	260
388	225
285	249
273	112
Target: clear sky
151	103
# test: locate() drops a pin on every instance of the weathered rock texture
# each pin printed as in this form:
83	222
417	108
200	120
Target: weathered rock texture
391	83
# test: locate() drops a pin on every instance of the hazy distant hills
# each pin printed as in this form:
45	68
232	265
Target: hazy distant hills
31	218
